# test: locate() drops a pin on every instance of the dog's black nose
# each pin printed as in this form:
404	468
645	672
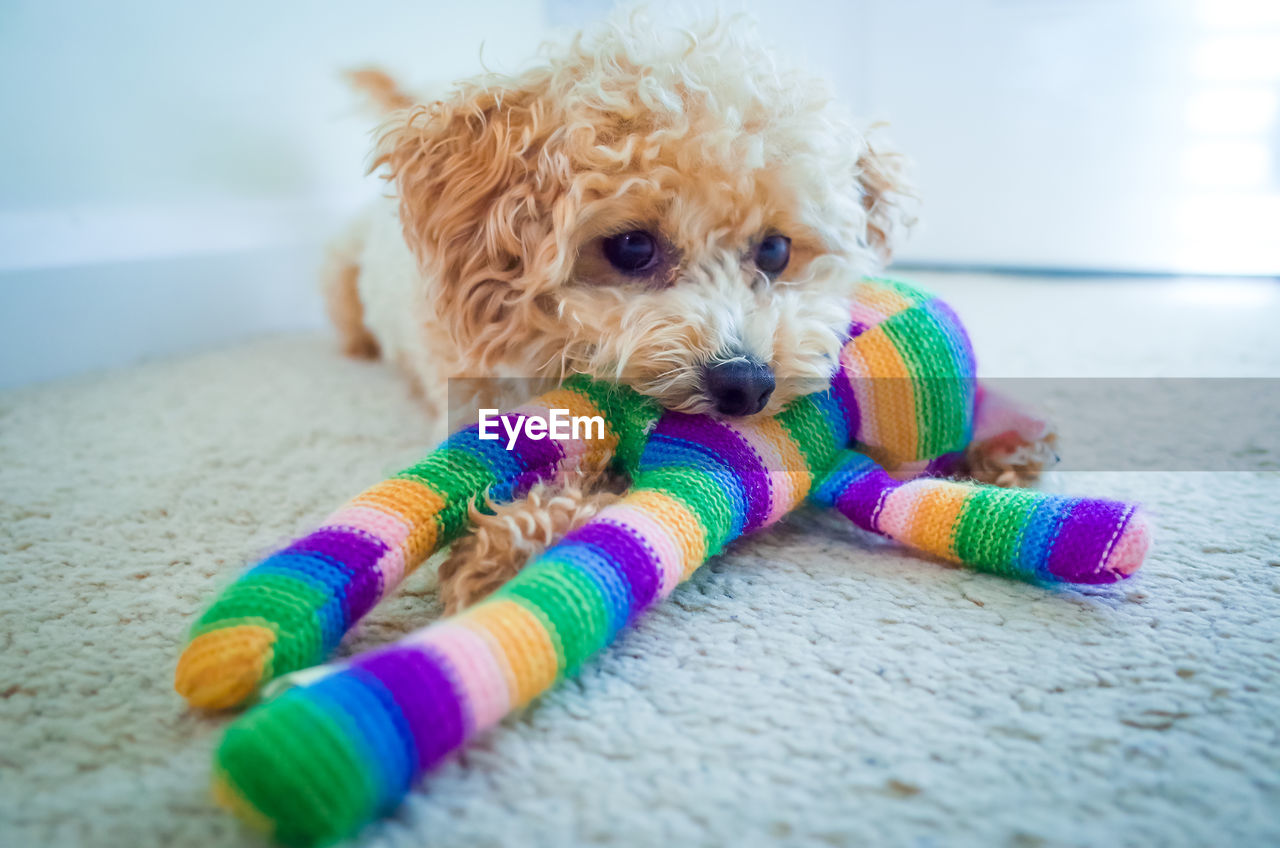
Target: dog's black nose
739	386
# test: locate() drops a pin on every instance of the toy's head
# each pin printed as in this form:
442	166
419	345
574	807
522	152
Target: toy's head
669	209
907	375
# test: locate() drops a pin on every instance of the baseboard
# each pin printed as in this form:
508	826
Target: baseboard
61	321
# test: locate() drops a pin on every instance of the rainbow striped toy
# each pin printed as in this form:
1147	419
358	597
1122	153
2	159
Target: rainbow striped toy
317	762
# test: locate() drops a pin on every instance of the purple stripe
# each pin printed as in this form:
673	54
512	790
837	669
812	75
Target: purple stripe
539	457
626	551
842	389
861	499
358	552
1083	538
734	452
422	690
944	466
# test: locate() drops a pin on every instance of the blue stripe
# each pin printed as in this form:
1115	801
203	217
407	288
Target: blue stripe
596	565
375	726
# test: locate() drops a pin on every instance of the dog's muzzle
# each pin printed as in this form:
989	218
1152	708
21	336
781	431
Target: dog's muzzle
738	387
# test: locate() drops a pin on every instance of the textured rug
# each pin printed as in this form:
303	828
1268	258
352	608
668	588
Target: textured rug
809	687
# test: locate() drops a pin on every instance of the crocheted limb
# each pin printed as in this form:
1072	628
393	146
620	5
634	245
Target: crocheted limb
290	610
1014	532
319	761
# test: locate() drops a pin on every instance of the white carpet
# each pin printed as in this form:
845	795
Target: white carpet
811	687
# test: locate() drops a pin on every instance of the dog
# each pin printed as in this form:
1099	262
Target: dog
676	210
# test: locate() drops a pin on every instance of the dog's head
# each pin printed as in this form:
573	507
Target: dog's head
666	209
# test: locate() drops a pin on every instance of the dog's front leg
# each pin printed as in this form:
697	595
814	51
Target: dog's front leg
509	536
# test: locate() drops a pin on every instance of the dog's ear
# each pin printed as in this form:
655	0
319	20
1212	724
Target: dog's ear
480	198
885	194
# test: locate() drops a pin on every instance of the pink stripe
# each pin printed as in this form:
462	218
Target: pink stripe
898	513
658	537
910	470
1131	548
866	314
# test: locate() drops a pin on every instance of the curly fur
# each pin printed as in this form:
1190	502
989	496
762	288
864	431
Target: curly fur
508	535
504	189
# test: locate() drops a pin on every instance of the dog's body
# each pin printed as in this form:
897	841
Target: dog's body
376	289
662	208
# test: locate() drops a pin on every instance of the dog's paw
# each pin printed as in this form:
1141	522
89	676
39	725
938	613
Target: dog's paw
1012	444
1010	459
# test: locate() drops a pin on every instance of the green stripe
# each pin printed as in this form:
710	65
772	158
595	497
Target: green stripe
285	604
701	494
629	416
990	526
299	767
459	477
809	429
935	377
569	604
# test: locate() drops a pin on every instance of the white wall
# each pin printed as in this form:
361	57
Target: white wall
148	128
1095	134
170	170
1098	134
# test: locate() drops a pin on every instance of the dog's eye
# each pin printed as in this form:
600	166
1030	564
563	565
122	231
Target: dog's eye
773	254
632	253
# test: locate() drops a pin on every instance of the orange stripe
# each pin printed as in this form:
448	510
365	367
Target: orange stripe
795	469
599	451
934	523
880	298
418	505
519	638
892	395
686	531
222	667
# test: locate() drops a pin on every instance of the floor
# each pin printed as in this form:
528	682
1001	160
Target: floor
809	687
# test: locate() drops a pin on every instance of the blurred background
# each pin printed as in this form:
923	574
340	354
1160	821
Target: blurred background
170	171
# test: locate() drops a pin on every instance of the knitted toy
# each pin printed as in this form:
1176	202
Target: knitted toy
318	761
